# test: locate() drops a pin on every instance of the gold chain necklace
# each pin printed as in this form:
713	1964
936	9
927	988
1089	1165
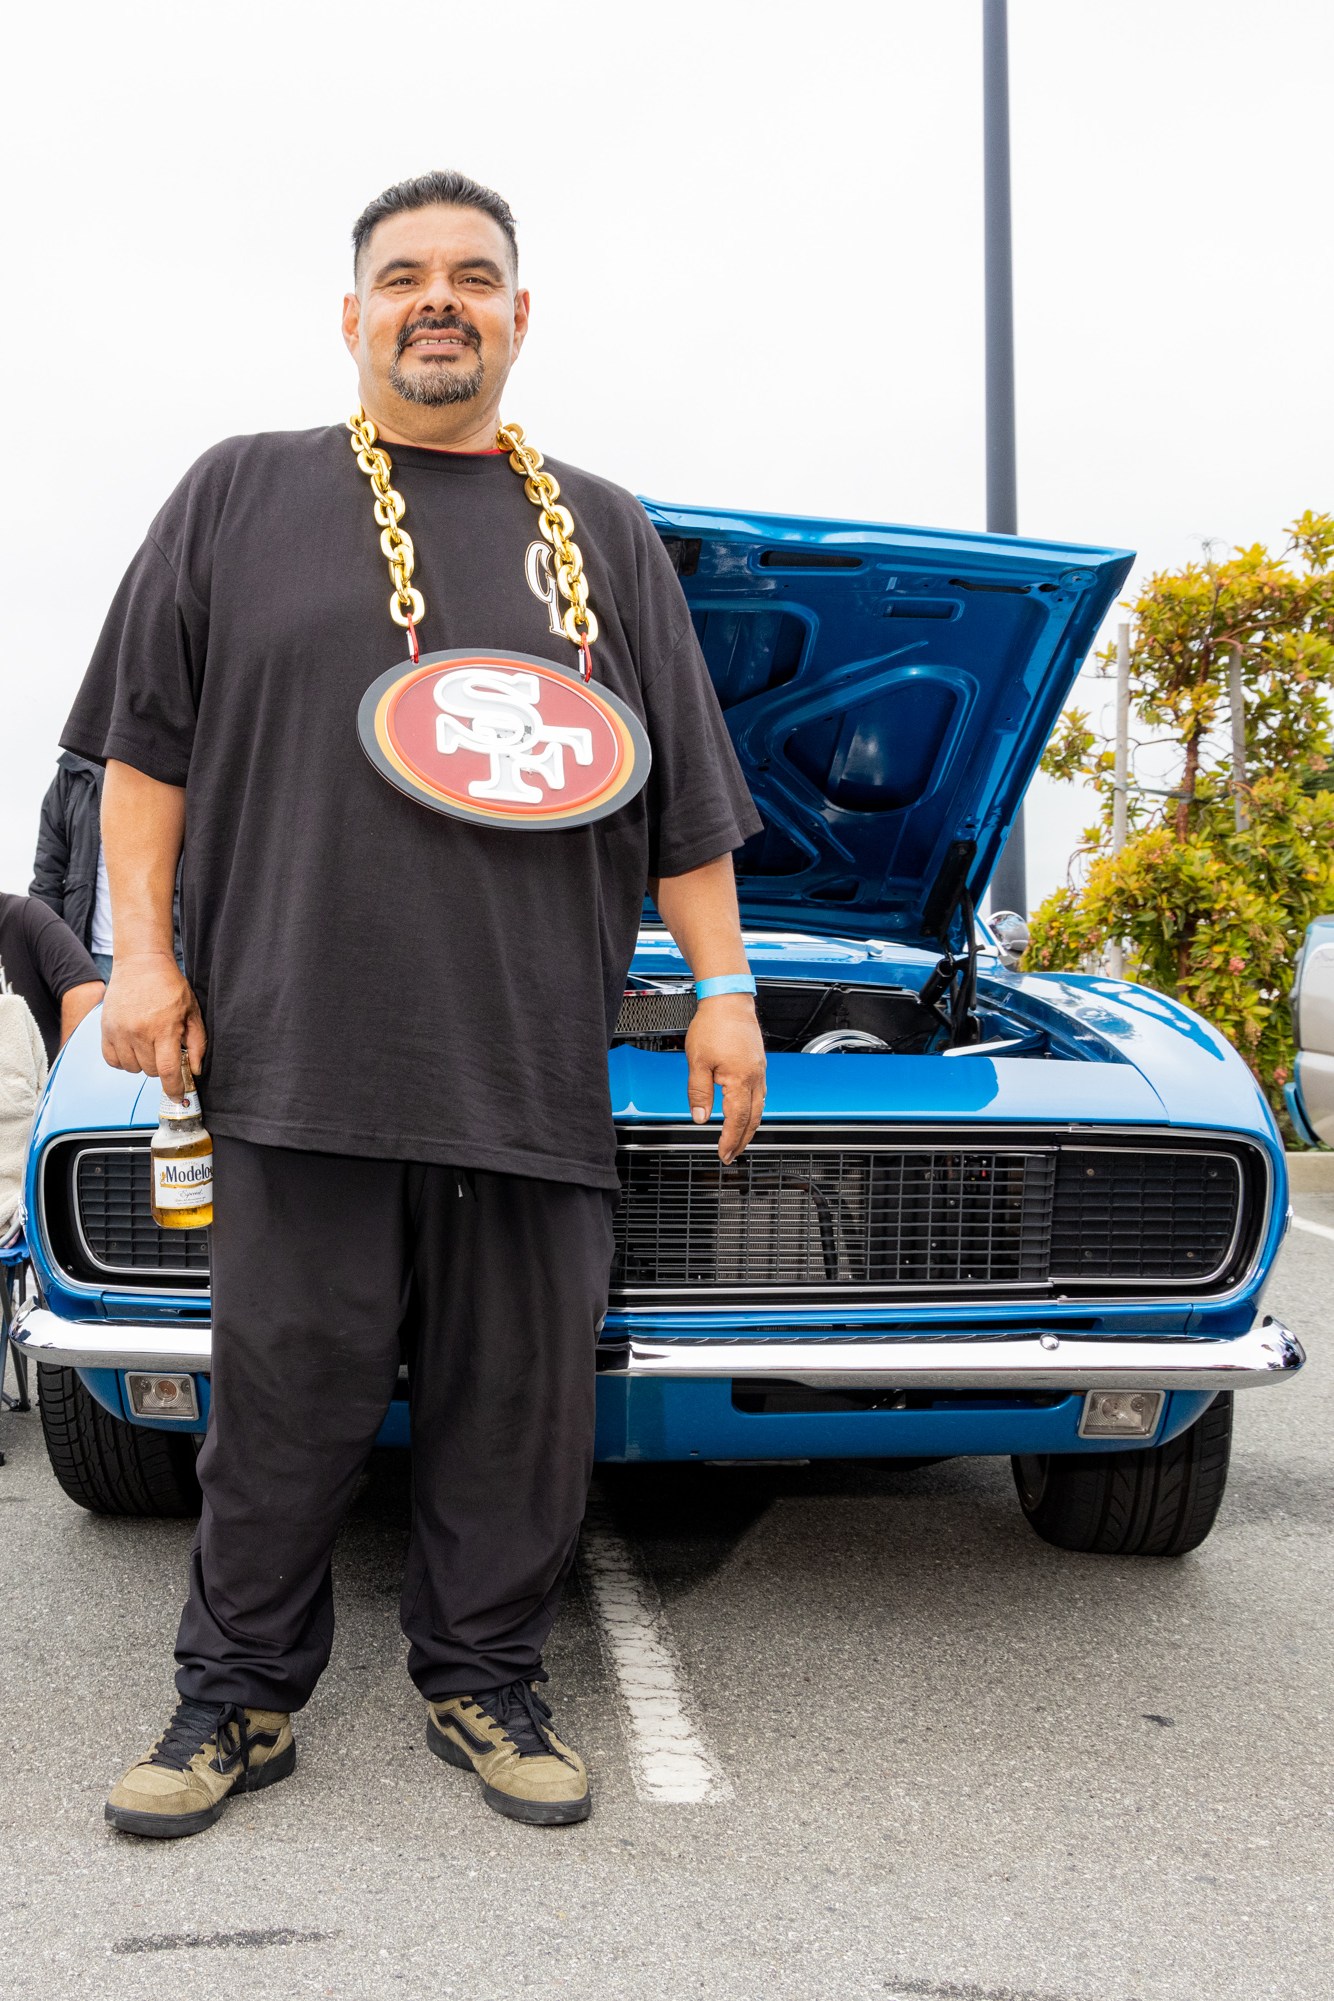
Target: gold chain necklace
496	738
407	606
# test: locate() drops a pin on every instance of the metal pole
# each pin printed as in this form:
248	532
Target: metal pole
1116	957
1009	885
1237	701
1002	485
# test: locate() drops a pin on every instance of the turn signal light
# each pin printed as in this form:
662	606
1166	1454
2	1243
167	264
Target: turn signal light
162	1396
1121	1413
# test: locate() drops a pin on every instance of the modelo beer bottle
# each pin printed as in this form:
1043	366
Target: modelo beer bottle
181	1155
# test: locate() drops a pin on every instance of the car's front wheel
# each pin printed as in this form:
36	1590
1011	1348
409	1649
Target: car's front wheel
106	1465
1156	1502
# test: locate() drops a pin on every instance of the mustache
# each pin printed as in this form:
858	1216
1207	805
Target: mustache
447	323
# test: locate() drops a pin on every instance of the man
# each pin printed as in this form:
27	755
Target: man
41	959
70	870
401	1016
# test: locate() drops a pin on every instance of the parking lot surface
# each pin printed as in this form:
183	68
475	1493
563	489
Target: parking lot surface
905	1749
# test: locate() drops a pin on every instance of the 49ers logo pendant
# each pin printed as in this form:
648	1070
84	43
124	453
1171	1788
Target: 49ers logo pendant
503	739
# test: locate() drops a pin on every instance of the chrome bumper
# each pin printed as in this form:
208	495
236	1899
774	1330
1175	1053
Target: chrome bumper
101	1344
1267	1354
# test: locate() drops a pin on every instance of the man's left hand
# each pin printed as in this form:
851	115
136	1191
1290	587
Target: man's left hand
725	1051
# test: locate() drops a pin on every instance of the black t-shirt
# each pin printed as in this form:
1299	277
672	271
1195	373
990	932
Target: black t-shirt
40	958
377	978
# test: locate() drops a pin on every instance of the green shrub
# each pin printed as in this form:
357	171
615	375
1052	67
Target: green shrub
1207	911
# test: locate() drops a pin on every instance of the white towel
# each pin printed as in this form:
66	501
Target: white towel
22	1076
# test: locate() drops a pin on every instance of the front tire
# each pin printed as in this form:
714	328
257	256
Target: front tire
106	1465
1162	1501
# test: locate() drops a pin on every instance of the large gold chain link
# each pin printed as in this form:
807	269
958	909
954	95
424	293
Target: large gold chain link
407	606
557	525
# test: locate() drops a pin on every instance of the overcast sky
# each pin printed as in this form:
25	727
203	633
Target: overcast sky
753	238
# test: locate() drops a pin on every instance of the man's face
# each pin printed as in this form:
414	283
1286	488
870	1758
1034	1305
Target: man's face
436	317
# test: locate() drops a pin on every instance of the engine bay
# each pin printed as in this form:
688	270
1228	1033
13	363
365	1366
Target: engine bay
833	1017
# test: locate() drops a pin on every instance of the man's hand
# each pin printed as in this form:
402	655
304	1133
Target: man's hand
725	1051
724	1045
148	1013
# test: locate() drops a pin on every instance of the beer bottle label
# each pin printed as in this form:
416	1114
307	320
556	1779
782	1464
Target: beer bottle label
183	1184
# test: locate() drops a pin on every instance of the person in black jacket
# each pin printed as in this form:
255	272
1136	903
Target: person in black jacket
69	874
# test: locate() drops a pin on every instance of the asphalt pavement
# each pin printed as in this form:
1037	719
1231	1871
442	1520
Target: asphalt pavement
942	1761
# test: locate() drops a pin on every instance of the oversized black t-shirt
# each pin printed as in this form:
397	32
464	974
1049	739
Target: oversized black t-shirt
40	958
377	978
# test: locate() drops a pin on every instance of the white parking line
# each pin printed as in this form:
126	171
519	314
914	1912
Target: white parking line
1316	1229
670	1760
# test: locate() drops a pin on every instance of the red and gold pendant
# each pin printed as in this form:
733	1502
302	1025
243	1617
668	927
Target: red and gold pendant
503	740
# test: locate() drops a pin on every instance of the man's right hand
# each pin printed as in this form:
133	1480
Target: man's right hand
149	1011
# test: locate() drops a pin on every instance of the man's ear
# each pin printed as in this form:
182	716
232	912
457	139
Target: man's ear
521	305
352	323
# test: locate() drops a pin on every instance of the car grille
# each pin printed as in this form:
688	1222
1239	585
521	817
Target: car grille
797	1219
1141	1215
838	1217
802	1215
113	1191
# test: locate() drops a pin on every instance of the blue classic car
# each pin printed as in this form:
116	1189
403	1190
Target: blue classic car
987	1212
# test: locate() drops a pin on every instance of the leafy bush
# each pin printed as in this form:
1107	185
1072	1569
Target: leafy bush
1208	911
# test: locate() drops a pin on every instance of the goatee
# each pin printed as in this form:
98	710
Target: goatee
438	382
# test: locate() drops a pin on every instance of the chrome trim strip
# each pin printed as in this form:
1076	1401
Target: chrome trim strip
829	1291
790	1133
1268	1354
101	1344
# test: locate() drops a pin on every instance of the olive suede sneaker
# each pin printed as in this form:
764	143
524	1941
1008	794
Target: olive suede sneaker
206	1753
505	1736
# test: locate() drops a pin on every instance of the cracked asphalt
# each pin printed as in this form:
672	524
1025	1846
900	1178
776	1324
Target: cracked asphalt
963	1766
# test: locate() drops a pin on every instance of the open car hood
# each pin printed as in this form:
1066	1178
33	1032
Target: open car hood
889	691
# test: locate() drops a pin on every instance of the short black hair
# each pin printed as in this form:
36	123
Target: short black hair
445	189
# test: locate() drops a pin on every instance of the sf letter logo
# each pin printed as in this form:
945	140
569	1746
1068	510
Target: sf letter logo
495	714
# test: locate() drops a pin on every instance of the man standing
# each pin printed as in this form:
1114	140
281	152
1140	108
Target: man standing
400	1001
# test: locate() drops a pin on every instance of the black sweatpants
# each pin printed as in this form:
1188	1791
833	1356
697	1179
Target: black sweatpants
324	1268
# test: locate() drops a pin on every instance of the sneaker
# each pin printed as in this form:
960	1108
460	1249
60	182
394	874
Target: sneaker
206	1753
505	1736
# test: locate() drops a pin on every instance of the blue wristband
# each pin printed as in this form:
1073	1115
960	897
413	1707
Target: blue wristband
726	983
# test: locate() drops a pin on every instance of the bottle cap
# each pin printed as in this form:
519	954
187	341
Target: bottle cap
179	1109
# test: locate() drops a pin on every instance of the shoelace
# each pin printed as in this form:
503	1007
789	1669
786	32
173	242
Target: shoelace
524	1717
192	1726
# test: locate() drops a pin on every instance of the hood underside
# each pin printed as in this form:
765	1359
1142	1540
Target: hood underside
889	692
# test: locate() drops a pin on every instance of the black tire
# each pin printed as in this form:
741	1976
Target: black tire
1159	1502
108	1466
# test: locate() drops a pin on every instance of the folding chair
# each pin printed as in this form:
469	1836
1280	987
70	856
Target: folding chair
22	1075
13	1289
